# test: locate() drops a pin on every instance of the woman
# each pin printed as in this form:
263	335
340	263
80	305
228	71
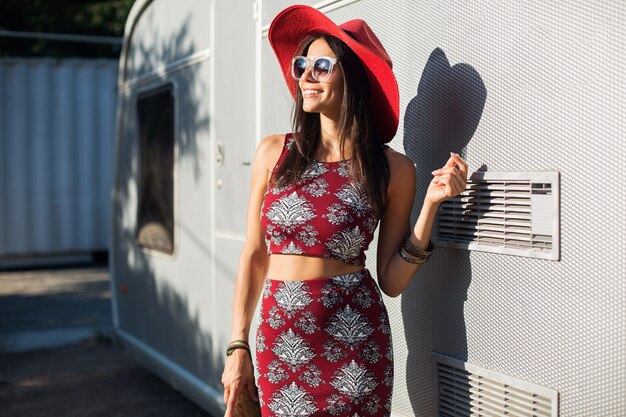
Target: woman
317	195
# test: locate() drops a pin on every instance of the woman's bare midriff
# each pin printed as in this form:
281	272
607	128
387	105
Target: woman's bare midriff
302	267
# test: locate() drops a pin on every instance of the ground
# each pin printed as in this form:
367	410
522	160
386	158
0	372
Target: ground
92	377
87	380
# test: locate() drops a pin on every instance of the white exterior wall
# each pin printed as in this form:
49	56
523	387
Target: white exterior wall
56	144
555	99
175	314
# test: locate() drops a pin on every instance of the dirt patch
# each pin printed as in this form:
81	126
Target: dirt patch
86	380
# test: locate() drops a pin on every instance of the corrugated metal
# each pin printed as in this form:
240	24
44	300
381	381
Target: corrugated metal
56	144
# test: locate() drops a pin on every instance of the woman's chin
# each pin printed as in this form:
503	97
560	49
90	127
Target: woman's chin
310	109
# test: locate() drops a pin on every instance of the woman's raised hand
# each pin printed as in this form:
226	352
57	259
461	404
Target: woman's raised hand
449	181
238	375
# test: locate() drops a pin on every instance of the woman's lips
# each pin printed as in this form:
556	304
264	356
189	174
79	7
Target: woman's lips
309	92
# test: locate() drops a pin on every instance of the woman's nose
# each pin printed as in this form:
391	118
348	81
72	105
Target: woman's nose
308	74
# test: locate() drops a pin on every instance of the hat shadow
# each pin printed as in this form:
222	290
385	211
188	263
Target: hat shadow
440	119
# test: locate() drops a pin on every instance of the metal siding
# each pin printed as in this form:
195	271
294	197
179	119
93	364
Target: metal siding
3	149
158	41
275	95
63	208
84	163
168	307
553	73
16	200
57	135
105	134
40	151
233	115
234	98
272	8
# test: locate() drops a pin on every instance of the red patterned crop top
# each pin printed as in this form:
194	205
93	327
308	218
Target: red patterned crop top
323	214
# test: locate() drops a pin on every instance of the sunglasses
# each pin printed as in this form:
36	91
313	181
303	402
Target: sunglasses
322	67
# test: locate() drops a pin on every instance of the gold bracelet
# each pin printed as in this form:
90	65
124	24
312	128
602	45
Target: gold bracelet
233	347
238	341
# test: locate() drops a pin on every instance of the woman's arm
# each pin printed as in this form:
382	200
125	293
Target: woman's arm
253	264
394	273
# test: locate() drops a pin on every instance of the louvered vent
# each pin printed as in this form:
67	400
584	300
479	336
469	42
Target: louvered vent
516	213
468	390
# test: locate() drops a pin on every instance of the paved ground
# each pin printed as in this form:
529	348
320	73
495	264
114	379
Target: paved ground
93	378
45	308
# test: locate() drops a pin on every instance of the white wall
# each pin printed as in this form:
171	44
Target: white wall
56	141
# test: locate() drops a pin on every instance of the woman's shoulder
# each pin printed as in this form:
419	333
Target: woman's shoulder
401	171
399	163
269	149
272	142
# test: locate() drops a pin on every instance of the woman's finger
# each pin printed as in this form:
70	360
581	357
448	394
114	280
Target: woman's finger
441	171
230	404
451	161
442	179
455	175
226	393
462	165
459	184
451	183
449	188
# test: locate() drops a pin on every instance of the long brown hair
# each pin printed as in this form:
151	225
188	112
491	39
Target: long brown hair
369	165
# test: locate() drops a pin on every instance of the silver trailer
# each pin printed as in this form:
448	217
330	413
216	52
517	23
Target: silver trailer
521	310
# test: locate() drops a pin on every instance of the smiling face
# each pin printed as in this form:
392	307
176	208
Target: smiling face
324	97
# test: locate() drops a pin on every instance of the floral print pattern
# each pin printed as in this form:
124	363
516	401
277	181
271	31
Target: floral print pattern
325	213
290	211
318	358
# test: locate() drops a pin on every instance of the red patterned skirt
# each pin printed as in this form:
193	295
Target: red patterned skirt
324	348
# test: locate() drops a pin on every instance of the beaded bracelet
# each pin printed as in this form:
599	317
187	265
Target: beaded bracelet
411	259
411	253
414	250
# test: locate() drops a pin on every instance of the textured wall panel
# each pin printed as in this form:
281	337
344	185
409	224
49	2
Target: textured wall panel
513	86
56	140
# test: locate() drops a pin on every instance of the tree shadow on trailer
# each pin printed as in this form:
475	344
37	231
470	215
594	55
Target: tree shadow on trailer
440	119
151	309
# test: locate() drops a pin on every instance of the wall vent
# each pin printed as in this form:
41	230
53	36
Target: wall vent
467	390
515	213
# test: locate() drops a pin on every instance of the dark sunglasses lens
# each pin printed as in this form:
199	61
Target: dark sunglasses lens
299	66
321	68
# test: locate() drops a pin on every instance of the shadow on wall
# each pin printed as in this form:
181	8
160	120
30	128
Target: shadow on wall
150	308
190	94
440	119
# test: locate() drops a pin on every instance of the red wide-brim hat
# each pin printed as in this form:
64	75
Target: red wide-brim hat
294	23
